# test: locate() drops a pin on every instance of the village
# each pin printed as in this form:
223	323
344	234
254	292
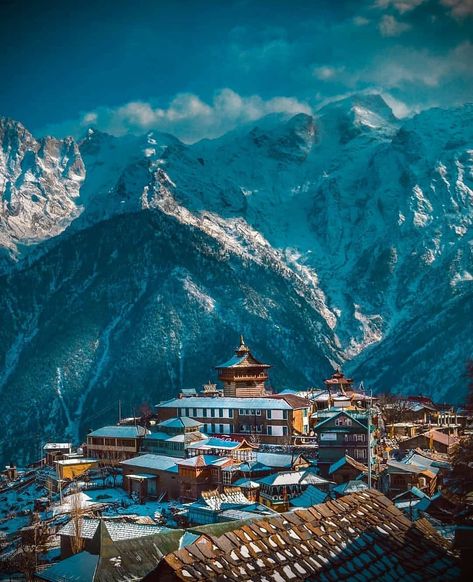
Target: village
152	497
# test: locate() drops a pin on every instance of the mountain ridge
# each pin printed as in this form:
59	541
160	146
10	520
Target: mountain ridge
362	221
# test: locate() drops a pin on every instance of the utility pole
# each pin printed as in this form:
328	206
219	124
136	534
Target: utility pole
119	411
369	440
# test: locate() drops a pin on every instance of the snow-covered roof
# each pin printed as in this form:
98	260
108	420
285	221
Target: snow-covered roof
57	446
75	461
410	467
122	432
156	462
118	529
288	478
350	487
215	443
226	402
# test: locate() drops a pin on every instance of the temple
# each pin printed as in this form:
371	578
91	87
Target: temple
338	383
243	375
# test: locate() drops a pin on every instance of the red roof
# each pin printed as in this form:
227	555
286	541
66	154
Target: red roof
292	399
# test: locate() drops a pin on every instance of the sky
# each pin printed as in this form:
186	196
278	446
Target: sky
198	68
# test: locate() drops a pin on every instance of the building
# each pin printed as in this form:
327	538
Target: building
151	476
346	469
340	433
199	474
277	490
398	477
362	536
243	375
72	468
432	439
115	443
227	505
55	451
114	550
173	437
266	420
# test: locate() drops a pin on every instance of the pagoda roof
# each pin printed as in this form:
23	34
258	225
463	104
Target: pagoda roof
243	358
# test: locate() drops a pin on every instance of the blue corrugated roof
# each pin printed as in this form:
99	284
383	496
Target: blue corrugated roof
180	422
125	432
226	402
233	361
157	462
311	496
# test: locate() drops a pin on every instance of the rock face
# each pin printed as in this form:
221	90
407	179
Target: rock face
129	264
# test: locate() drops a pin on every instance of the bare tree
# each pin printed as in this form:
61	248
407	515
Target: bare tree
77	516
393	408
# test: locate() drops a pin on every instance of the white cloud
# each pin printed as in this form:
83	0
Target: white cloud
401	6
389	26
459	8
361	21
325	73
187	116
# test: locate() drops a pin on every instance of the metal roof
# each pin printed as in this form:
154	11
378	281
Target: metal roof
122	432
180	422
80	567
150	461
226	402
311	496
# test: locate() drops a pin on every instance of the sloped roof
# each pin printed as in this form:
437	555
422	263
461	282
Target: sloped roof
350	487
202	461
180	422
263	403
361	536
311	496
150	461
347	460
411	468
293	399
118	529
121	432
77	568
336	414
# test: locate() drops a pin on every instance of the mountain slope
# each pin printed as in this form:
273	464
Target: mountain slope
340	239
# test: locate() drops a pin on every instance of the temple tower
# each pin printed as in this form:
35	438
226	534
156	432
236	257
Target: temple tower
243	375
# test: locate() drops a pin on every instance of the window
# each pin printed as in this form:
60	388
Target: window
343	421
268	415
204	412
230	413
360	438
258	412
284	414
212	412
220	428
270	429
220	413
194	412
241	412
284	431
226	477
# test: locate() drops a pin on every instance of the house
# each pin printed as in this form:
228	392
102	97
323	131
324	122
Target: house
240	450
346	469
55	451
349	487
362	536
72	468
267	420
412	502
397	477
115	443
277	490
340	433
173	437
199	474
263	464
151	476
114	550
230	504
432	439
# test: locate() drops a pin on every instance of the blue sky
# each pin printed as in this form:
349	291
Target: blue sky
197	68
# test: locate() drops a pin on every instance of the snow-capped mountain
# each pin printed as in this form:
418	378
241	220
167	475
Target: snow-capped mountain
129	263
